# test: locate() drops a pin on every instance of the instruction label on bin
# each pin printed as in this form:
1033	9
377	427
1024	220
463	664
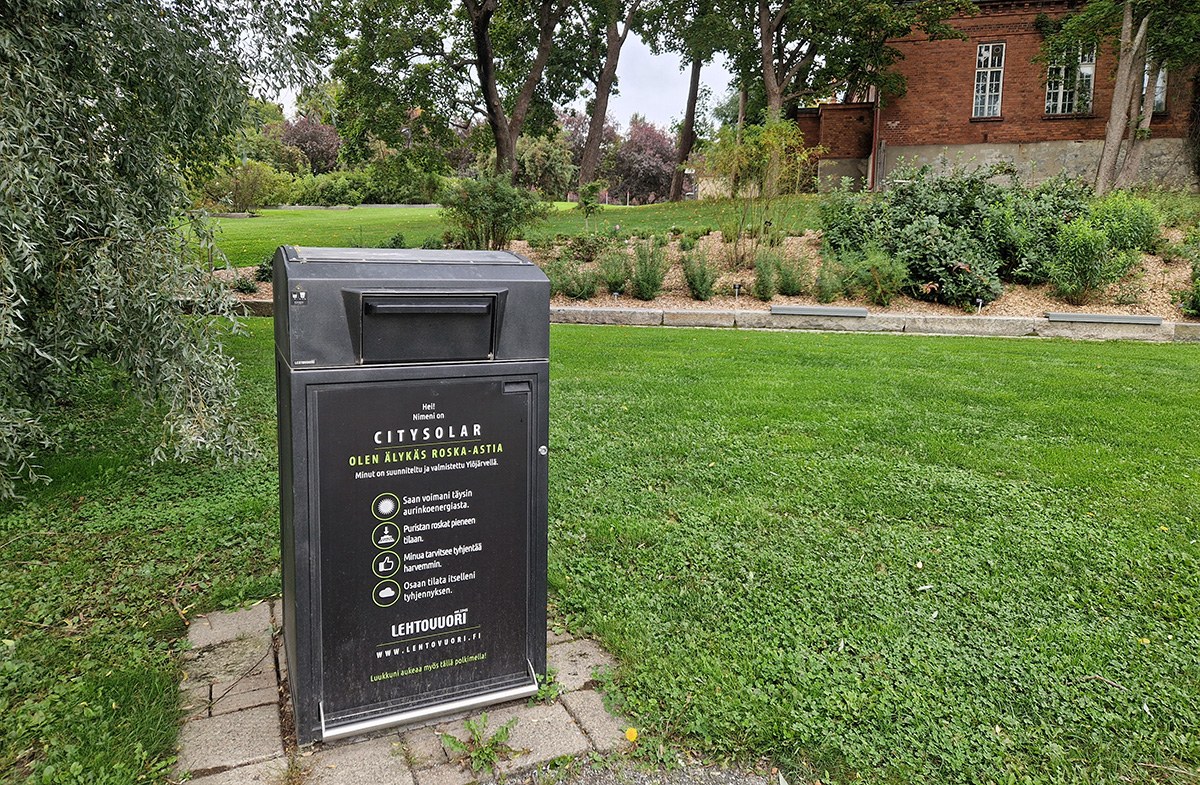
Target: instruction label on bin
424	533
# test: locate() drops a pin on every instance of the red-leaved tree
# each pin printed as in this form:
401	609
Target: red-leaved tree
644	163
318	141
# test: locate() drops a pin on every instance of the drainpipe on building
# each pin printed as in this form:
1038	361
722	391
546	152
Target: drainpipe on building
873	161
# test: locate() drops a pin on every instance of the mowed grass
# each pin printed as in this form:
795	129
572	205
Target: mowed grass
247	241
888	558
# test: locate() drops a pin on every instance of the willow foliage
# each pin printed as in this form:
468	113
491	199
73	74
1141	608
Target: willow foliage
103	106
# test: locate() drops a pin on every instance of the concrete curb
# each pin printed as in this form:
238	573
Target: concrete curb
917	324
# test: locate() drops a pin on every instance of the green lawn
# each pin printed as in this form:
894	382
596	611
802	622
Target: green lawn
890	558
246	241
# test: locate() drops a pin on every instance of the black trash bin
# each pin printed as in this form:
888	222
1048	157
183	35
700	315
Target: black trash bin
413	406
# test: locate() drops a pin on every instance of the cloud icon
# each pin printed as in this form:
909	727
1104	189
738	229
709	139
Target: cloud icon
387	592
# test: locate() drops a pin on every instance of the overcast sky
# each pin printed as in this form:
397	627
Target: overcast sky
654	86
650	85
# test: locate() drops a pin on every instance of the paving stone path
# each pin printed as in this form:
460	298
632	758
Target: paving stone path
234	732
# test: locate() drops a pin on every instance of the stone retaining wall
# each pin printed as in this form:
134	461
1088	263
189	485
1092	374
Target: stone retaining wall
918	324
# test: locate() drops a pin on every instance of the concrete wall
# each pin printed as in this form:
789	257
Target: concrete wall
830	172
1166	162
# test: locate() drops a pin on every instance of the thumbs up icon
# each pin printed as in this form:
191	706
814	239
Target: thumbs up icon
386	564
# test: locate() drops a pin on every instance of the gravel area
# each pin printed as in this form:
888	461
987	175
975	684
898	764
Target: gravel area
1146	291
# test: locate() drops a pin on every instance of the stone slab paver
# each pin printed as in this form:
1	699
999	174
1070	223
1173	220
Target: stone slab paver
378	760
540	733
267	773
575	662
236	701
447	774
232	734
423	748
215	628
256	677
606	732
231	661
237	739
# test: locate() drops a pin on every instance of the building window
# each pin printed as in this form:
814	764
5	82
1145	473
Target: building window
1069	83
1160	90
989	79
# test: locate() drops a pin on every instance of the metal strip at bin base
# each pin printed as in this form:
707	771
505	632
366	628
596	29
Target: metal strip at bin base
424	713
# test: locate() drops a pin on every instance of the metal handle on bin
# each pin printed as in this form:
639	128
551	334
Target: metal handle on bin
413	307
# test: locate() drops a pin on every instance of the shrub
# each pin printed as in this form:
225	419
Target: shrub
540	242
730	233
700	275
488	212
615	271
649	270
878	275
244	284
765	265
946	263
587	247
567	277
264	271
1129	222
331	189
1020	226
1080	265
432	243
687	244
397	240
1189	299
793	276
831	281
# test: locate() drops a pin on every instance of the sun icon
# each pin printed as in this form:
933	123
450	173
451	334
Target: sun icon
385	506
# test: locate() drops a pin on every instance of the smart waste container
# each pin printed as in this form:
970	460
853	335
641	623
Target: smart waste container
413	405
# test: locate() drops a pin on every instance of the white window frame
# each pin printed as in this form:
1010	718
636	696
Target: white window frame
1070	82
989	80
1160	88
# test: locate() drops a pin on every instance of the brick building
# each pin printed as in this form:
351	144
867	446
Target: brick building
985	99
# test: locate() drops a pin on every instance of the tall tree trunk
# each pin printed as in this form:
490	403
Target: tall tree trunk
687	134
615	33
1139	132
506	130
481	14
1123	93
774	84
